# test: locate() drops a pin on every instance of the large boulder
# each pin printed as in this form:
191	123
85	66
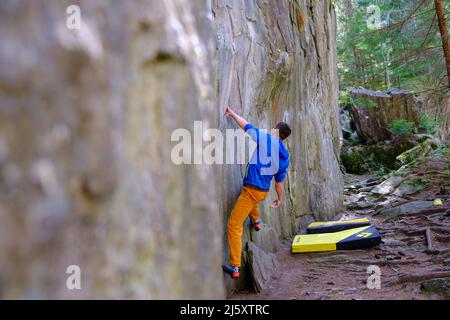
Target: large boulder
263	265
277	62
407	208
373	111
86	118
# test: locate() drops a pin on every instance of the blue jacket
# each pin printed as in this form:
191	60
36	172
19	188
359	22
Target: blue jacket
262	166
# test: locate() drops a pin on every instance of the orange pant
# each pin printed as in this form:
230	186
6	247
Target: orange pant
246	204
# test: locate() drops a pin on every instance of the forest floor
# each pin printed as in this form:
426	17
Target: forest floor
404	258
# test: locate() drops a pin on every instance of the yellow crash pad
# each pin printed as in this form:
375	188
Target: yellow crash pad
357	238
334	226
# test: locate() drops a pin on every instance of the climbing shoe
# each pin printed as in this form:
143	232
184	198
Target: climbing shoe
232	271
257	225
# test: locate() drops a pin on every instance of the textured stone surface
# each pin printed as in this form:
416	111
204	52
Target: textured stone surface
272	69
388	185
407	208
85	137
438	108
85	123
406	188
263	266
372	122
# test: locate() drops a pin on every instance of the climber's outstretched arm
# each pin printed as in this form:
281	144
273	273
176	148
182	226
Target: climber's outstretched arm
239	120
279	188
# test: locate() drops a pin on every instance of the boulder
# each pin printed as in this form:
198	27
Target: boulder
348	128
372	112
417	152
388	185
273	68
87	181
410	186
407	208
263	265
437	106
86	124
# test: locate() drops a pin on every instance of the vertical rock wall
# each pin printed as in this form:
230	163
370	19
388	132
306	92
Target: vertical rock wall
86	118
277	62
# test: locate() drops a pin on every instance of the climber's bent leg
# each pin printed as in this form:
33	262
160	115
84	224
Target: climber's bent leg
254	215
242	208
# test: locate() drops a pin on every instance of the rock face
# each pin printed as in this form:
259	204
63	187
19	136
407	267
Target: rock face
407	208
277	62
86	123
86	118
372	111
438	108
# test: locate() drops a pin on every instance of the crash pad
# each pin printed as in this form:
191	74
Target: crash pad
357	238
334	226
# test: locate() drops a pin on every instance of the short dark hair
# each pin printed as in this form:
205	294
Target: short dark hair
283	130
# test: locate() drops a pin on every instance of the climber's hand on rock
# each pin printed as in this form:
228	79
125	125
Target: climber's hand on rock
229	112
276	203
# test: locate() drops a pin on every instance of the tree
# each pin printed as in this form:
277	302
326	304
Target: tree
405	50
444	34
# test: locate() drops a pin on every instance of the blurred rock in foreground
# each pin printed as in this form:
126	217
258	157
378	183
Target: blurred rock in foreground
85	125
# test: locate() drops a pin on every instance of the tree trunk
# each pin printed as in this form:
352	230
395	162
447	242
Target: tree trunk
444	34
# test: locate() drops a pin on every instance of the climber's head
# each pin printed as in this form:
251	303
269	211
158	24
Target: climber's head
283	130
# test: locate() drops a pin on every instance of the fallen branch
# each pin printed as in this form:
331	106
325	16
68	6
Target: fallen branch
385	262
429	239
428	211
419	277
420	232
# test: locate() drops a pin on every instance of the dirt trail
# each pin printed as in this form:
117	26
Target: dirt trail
343	274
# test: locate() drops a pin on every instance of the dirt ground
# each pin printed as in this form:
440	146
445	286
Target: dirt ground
402	255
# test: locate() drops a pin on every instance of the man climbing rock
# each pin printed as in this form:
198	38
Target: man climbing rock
270	159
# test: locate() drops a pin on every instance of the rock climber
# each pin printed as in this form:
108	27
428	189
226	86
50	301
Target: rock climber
270	159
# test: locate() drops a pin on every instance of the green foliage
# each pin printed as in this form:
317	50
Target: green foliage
419	182
401	127
429	125
406	49
373	158
364	102
344	98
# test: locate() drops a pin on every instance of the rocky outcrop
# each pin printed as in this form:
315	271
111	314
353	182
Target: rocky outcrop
86	121
437	106
86	118
277	62
373	111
